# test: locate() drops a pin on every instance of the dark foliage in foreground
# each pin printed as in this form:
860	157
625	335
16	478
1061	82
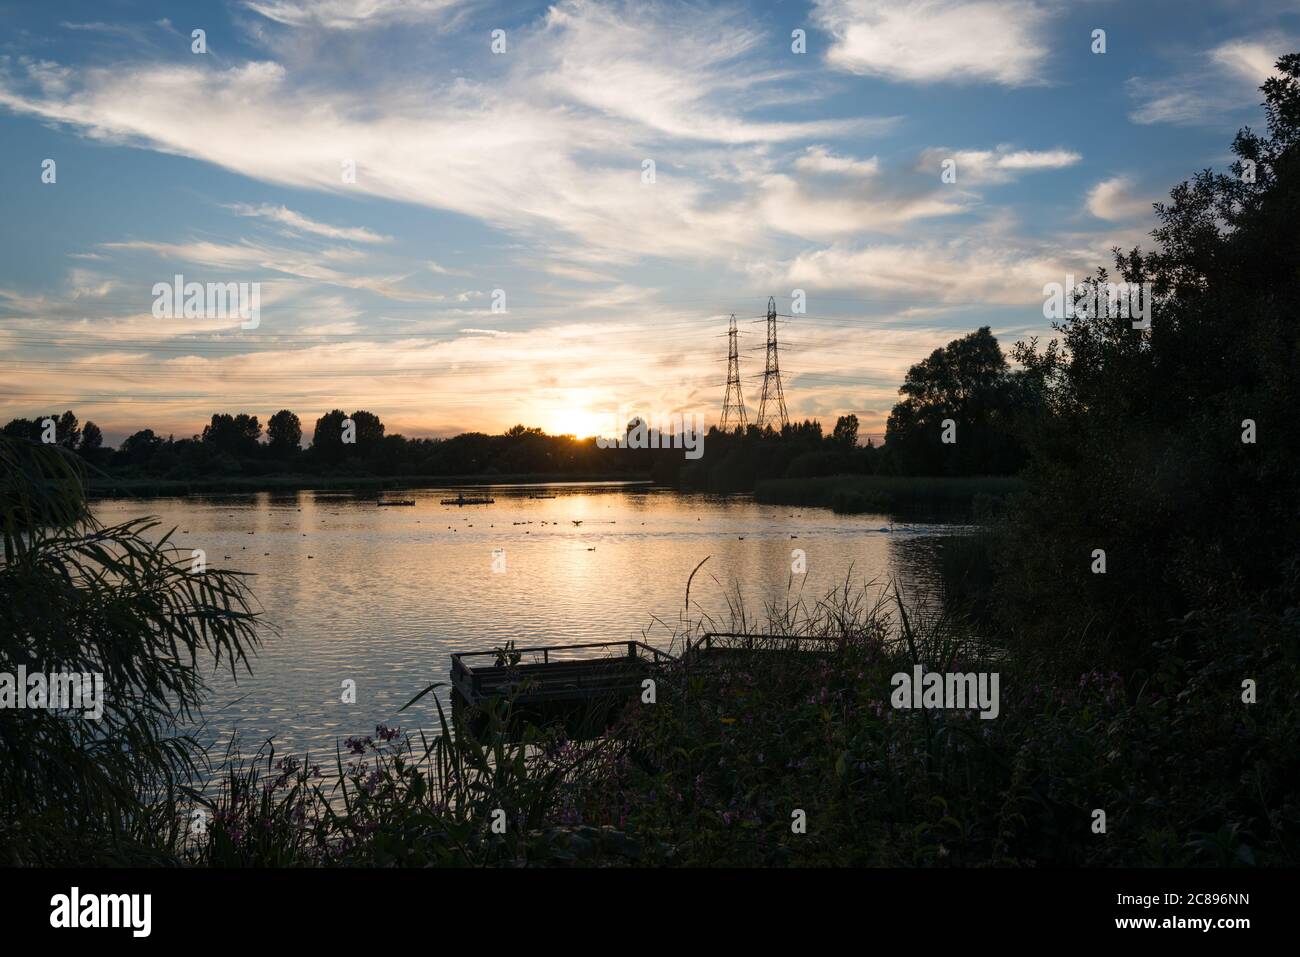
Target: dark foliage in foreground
1175	450
715	770
80	597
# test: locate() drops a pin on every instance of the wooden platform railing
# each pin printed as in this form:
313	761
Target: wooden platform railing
554	670
742	641
594	669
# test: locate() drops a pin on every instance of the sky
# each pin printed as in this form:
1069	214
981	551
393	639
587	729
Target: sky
555	208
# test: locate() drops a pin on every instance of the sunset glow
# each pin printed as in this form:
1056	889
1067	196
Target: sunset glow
463	241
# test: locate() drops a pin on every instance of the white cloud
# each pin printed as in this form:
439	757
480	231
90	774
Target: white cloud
252	260
792	207
579	273
818	159
998	165
353	14
551	149
1115	200
1169	101
994	41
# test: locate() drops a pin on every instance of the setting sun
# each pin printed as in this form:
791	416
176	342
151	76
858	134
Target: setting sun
580	423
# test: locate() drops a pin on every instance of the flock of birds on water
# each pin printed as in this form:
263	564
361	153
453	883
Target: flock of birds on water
577	522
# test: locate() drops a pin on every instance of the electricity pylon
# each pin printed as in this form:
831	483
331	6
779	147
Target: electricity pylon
733	402
772	392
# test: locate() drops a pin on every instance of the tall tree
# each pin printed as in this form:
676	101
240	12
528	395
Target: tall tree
846	430
327	438
23	429
68	431
284	432
91	438
968	383
233	434
139	447
369	432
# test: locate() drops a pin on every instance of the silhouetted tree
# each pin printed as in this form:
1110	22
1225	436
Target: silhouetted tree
846	430
68	431
139	447
327	438
91	439
369	432
233	434
23	429
968	382
284	432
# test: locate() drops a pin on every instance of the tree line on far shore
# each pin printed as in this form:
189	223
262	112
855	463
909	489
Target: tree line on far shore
966	388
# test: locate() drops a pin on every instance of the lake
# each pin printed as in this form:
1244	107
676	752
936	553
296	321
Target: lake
381	596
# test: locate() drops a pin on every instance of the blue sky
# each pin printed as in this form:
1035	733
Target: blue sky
522	171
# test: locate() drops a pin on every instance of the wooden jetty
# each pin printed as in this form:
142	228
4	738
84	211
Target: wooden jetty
554	672
595	669
584	685
401	501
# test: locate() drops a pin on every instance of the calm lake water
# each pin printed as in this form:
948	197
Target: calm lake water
382	595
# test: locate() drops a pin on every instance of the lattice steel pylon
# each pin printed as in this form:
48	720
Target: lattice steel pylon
733	401
772	392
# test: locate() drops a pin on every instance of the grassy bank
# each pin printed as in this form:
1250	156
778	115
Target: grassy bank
886	494
102	486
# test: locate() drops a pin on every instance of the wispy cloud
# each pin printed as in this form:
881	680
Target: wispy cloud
301	224
1214	84
634	62
987	264
257	260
